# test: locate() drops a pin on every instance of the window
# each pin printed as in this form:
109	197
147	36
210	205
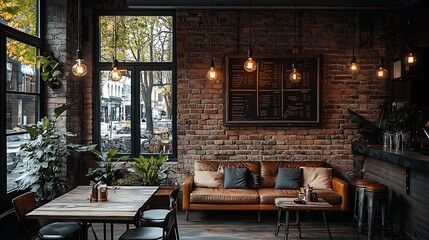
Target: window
137	113
20	85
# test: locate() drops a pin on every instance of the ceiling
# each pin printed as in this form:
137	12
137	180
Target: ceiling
270	4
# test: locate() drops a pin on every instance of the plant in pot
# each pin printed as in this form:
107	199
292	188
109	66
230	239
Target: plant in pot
50	70
109	170
371	132
150	170
44	156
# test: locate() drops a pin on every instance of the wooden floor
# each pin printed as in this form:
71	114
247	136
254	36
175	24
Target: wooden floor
229	225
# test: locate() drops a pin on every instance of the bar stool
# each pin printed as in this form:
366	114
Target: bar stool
376	195
360	202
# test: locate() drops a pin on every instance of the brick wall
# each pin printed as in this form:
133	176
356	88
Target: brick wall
201	134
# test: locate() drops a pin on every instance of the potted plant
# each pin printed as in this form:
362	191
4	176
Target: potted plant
44	155
50	70
108	170
371	132
150	170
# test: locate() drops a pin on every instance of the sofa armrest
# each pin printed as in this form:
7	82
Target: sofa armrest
187	189
342	188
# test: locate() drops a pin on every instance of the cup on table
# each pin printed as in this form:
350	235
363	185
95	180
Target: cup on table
301	196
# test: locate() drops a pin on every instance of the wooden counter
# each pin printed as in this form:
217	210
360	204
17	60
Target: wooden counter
407	175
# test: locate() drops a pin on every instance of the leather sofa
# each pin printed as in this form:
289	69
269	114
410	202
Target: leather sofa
201	198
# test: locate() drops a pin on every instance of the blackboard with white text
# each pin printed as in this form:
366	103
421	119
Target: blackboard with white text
267	96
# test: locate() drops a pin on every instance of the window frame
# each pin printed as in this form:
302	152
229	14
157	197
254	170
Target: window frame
134	68
7	32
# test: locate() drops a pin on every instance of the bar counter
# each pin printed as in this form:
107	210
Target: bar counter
406	173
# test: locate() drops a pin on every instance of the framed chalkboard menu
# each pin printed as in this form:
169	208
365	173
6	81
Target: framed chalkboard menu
267	97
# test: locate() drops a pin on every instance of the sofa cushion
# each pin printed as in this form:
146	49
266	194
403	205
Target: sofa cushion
289	178
268	195
224	196
269	170
330	196
208	179
235	178
318	178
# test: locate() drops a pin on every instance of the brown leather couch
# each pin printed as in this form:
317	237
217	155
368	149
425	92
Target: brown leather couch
199	198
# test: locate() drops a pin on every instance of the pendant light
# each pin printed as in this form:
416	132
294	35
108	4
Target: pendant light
410	58
381	72
250	64
115	74
354	66
212	74
79	69
295	76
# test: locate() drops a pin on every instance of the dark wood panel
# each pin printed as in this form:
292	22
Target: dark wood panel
409	212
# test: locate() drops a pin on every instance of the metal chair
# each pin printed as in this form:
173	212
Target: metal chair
26	203
166	232
155	217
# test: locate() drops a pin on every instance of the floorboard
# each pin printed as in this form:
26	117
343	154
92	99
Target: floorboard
231	225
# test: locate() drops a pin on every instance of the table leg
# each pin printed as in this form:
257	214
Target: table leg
287	224
298	224
279	212
326	224
84	234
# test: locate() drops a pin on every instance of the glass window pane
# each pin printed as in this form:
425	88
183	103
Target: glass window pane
115	113
21	74
155	114
20	15
14	160
21	109
139	38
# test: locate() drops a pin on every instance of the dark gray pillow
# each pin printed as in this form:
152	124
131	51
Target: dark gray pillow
235	178
289	178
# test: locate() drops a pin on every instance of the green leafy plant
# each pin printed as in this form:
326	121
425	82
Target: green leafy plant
406	118
108	170
150	170
370	131
50	70
44	155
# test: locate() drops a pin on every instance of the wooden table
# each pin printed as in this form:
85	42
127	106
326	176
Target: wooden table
288	204
121	206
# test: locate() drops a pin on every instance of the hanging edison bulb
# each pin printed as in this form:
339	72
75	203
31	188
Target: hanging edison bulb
79	69
115	74
212	74
354	66
410	59
250	64
381	72
295	76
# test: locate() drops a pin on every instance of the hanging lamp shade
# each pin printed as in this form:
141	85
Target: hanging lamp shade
250	64
354	66
295	76
410	59
115	74
381	72
212	74
79	69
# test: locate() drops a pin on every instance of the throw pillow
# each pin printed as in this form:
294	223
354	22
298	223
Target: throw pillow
289	178
235	178
254	180
317	177
208	179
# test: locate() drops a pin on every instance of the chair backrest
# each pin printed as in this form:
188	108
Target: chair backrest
169	223
174	194
24	204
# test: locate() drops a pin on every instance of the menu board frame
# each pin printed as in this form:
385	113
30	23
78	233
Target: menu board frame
255	99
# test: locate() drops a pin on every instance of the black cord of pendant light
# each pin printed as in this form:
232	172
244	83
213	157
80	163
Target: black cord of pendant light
295	45
79	23
212	26
115	31
250	24
353	22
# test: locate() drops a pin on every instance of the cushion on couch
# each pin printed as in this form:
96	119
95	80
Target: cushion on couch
269	169
208	179
268	195
224	196
235	178
289	178
318	178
